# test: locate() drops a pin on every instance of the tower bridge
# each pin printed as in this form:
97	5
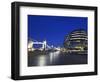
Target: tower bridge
31	44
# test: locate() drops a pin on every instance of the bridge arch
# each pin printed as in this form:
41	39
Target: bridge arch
32	43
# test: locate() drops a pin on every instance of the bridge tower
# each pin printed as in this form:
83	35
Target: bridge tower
44	45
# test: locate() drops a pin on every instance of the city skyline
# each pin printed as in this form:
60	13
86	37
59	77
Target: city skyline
53	29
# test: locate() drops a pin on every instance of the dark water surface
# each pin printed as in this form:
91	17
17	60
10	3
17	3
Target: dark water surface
56	58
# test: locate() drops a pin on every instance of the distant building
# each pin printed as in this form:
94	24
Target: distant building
30	45
76	41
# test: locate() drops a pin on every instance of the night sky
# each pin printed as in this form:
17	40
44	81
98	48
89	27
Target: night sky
53	29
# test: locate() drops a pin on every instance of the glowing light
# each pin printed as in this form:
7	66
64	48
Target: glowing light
54	56
42	61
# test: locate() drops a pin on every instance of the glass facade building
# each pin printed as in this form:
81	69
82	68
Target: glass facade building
77	41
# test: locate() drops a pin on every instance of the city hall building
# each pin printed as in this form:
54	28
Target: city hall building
76	41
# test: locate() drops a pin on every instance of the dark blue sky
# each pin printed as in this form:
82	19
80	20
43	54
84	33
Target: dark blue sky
53	28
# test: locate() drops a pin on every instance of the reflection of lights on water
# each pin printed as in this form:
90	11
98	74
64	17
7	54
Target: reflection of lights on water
51	57
42	61
54	56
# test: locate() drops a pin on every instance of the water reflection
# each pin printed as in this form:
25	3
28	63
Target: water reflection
55	58
51	57
41	60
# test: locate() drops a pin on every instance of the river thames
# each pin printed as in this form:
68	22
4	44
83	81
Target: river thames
56	58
